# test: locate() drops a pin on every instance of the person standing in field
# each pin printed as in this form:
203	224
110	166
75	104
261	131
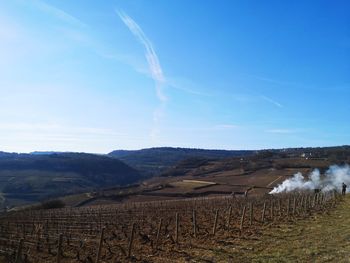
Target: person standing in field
343	190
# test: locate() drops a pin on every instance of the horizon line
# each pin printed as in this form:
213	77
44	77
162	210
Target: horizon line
175	147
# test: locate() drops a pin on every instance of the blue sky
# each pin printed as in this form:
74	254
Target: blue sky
96	76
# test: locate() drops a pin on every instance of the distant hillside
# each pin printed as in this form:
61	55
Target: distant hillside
320	157
154	161
44	152
5	154
27	177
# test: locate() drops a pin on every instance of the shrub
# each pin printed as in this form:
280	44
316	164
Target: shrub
52	204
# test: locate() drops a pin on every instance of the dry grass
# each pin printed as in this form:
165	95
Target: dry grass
323	238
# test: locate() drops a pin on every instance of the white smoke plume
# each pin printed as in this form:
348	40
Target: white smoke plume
331	180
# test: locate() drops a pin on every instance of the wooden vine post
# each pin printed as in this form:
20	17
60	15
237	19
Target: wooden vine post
176	227
194	223
48	244
314	200
24	230
158	231
215	221
263	213
242	218
272	210
131	239
279	208
100	246
310	202
301	204
251	213
229	217
19	251
294	205
59	248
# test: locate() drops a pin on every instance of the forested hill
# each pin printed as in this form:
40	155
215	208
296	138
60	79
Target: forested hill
153	161
28	177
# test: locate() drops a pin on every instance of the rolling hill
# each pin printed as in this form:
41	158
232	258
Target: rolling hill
154	161
26	178
151	173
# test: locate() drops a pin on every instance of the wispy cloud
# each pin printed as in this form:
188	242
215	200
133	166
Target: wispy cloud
282	131
154	68
150	54
273	80
187	86
226	126
268	99
21	41
58	13
190	91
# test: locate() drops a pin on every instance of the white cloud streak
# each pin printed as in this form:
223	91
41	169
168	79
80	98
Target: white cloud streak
150	54
277	104
281	131
226	126
154	68
274	81
186	86
58	13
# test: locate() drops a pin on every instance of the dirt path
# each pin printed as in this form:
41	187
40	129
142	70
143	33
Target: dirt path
274	181
323	238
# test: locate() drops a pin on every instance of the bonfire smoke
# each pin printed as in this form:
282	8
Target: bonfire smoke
331	180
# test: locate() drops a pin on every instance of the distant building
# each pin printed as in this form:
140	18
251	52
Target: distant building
306	155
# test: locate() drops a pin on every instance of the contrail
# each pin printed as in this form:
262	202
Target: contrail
150	54
58	13
154	67
277	104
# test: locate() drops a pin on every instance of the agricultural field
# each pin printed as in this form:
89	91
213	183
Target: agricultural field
174	131
82	179
218	183
190	209
159	231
